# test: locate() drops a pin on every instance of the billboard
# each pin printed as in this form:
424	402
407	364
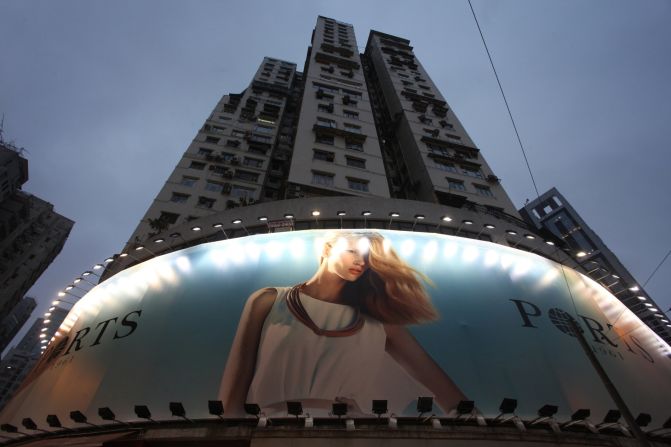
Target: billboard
322	316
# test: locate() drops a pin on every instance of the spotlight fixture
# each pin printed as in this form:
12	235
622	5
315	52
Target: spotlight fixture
108	260
511	232
316	213
341	213
419	216
424	405
446	219
489	226
380	407
394	214
217	225
262	218
289	216
253	409
366	213
467	222
159	240
216	408
236	221
53	421
142	411
99	266
531	237
196	228
294	408
177	409
339	409
581	254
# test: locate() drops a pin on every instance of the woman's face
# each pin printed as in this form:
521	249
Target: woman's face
348	258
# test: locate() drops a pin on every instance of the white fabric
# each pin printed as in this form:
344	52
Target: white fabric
293	363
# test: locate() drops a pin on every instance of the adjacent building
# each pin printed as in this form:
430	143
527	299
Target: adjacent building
21	358
31	232
13	322
553	213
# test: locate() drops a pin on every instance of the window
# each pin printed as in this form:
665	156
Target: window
246	175
322	178
444	166
241	191
169	218
325	108
188	181
444	123
471	172
227	157
483	190
453	137
238	133
352	128
214	186
179	197
213	140
232	143
356	162
324	139
323	155
435	149
325	122
197	165
204	152
354	145
357	184
205	202
457	185
252	162
350	114
263	129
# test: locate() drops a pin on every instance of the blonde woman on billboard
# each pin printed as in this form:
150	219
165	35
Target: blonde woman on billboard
329	338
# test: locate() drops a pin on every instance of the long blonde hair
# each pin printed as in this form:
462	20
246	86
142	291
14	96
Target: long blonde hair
389	290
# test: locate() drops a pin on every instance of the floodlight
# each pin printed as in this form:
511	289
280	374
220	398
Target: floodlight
177	409
508	405
53	421
424	405
253	409
581	414
9	428
29	424
612	417
339	409
380	407
142	411
465	407
106	414
547	411
643	419
216	407
294	408
78	417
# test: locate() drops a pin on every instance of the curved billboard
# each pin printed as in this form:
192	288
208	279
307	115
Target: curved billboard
351	316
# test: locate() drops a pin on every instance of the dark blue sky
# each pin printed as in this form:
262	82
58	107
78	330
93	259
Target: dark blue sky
106	96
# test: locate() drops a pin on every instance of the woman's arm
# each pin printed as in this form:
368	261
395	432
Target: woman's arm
403	348
241	360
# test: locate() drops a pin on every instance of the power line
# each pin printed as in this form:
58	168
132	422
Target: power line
519	140
656	268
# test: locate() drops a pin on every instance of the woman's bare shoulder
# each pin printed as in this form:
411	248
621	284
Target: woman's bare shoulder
262	299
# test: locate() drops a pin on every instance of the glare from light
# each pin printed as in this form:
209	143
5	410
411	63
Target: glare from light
489	226
273	250
550	243
159	240
419	216
634	288
648	304
48	314
366	213
139	248
521	268
394	214
470	254
68	288
253	251
511	232
297	248
386	245
218	225
123	255
43	329
507	260
236	221
446	219
642	298
615	276
61	293
581	254
665	320
288	216
86	273
262	218
43	335
491	258
407	247
108	260
43	341
430	251
77	281
450	249
196	228
341	213
653	309
55	302
467	222
98	266
531	237
316	213
183	264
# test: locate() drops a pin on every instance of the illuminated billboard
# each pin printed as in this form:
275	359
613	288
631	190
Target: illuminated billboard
351	316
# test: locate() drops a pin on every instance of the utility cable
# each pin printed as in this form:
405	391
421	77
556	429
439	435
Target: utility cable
656	268
519	140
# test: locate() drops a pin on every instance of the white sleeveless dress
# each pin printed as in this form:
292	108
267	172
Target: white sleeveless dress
294	363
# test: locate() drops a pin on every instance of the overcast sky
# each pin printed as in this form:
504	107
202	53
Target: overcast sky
105	96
